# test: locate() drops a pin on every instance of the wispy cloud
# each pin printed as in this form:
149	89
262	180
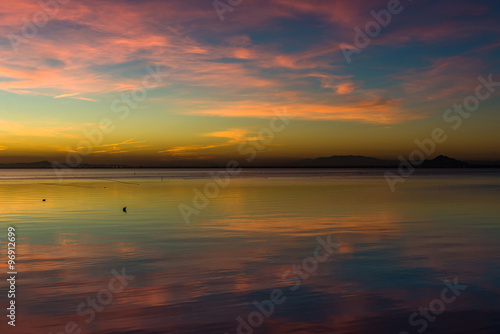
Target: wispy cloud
42	129
65	95
233	136
125	146
74	96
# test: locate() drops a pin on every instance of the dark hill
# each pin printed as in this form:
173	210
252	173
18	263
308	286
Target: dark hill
445	162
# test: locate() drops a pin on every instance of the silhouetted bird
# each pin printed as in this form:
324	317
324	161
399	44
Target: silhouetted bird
43	199
125	209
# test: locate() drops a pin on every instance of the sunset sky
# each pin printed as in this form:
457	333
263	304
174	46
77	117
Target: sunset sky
222	81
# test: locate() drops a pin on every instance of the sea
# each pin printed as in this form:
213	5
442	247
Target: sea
207	251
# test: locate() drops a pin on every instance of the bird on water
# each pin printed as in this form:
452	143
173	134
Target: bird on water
125	209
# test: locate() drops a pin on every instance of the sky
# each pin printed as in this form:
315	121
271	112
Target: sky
192	82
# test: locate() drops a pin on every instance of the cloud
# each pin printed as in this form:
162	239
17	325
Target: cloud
345	88
373	106
233	136
65	95
95	48
84	99
74	96
41	129
441	81
120	147
183	150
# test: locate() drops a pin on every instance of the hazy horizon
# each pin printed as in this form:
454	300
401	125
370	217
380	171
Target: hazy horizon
284	162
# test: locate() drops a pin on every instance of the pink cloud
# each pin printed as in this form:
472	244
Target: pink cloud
441	80
94	38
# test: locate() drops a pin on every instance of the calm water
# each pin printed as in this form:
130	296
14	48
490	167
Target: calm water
392	252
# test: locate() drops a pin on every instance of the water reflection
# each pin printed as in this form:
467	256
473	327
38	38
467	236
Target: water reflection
395	251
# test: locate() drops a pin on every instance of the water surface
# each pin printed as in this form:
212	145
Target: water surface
395	250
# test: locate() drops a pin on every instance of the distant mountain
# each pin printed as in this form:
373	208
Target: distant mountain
38	164
336	161
346	161
357	161
442	161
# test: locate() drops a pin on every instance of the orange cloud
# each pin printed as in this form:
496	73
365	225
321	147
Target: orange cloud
234	136
41	129
345	88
